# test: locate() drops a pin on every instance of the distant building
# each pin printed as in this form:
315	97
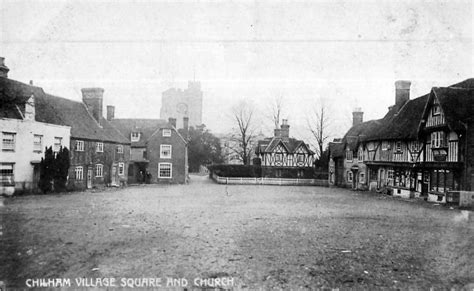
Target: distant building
159	153
178	103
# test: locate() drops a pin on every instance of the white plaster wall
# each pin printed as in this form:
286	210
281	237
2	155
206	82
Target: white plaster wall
23	154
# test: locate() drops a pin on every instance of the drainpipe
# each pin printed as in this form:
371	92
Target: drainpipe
466	155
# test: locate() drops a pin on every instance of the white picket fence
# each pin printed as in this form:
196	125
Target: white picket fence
268	181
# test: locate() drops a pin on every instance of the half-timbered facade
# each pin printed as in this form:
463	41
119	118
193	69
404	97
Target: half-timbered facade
284	153
420	147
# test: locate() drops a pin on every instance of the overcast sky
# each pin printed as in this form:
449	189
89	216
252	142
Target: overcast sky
349	52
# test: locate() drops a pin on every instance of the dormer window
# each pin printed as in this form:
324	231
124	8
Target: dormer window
349	155
398	146
438	139
135	136
435	109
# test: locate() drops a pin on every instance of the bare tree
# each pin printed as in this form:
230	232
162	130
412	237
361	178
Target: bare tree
275	110
243	115
318	124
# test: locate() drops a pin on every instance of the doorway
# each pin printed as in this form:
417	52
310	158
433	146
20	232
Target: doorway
89	178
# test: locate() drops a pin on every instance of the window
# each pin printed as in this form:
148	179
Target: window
349	176
390	177
165	151
99	170
300	158
398	146
57	144
349	155
99	147
164	170
121	169
361	154
119	149
8	141
79	145
37	143
278	158
79	173
290	160
435	109
438	139
6	174
135	136
166	132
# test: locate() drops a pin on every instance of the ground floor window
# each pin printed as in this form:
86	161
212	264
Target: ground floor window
390	177
362	177
99	170
164	170
79	173
349	176
6	173
443	180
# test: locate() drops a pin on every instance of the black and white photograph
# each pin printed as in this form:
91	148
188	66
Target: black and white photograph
236	145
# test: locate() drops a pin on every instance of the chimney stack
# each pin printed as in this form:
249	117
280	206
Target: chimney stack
110	112
277	132
357	116
186	125
285	130
3	68
93	99
172	121
402	92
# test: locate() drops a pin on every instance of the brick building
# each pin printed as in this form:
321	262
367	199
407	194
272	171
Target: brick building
159	152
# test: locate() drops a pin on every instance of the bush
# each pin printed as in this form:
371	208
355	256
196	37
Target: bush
256	171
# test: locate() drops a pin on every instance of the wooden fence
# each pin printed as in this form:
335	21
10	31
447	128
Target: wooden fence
268	181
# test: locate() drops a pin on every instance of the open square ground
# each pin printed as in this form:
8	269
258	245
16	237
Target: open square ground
260	236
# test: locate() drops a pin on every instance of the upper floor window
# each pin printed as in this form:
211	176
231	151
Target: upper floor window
438	139
435	109
300	158
37	143
278	157
349	155
361	154
166	132
79	145
135	136
8	141
99	147
58	141
120	149
398	146
165	151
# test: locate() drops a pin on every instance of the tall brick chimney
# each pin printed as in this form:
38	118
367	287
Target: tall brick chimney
357	116
402	92
172	121
277	132
186	125
93	99
3	68
110	112
285	130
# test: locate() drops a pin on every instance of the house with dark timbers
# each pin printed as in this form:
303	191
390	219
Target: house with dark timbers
419	148
284	157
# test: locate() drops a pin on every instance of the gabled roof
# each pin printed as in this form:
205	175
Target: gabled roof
269	144
336	149
456	103
13	94
56	110
146	127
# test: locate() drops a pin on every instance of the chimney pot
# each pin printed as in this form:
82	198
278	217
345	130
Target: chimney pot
3	68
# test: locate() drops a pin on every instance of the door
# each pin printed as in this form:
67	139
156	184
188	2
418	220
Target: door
36	177
113	178
89	178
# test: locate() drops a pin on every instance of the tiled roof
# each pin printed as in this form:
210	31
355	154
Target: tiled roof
336	149
57	110
145	126
268	145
